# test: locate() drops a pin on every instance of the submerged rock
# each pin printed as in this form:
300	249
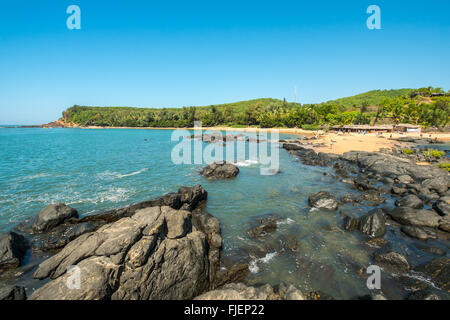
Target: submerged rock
438	270
415	232
390	259
323	200
12	250
154	254
266	225
52	216
220	170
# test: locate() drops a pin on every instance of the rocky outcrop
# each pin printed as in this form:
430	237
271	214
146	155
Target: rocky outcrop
12	293
442	206
52	216
12	250
323	200
239	291
158	253
220	170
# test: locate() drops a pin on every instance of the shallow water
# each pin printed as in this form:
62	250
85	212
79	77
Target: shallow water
96	170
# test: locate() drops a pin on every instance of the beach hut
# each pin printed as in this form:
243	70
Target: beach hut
362	128
407	127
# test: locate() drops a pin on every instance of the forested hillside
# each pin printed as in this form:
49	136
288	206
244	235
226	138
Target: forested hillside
425	106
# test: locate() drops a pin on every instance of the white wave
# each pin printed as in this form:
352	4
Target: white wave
285	221
246	163
253	265
132	174
116	175
36	176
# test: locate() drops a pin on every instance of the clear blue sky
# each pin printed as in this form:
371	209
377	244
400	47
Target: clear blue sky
171	53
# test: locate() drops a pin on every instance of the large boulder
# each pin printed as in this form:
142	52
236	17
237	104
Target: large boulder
12	293
323	200
52	216
439	184
239	291
220	170
410	201
158	253
415	217
12	250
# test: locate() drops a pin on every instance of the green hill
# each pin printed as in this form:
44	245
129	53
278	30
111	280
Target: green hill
386	106
374	97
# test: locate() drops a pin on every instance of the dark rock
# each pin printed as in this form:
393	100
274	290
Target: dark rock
439	184
234	274
415	217
398	190
12	293
415	232
438	270
363	184
444	223
220	170
59	238
52	216
12	250
372	196
424	295
373	224
348	198
404	178
350	223
442	206
323	200
431	249
390	259
266	226
410	201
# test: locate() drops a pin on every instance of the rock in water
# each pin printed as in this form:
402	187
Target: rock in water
155	254
52	216
12	293
373	224
415	217
410	201
12	250
220	170
415	232
439	271
391	260
323	200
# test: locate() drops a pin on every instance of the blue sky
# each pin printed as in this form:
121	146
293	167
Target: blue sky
173	53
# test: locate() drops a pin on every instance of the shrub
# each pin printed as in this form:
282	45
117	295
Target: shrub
433	153
311	127
445	166
407	151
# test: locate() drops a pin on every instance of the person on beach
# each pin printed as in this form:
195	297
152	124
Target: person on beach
331	144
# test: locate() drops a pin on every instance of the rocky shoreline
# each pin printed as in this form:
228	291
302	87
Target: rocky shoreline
170	247
421	211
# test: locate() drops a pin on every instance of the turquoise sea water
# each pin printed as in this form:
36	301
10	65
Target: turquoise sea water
96	170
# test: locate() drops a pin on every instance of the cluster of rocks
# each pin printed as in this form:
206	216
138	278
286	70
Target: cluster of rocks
422	206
